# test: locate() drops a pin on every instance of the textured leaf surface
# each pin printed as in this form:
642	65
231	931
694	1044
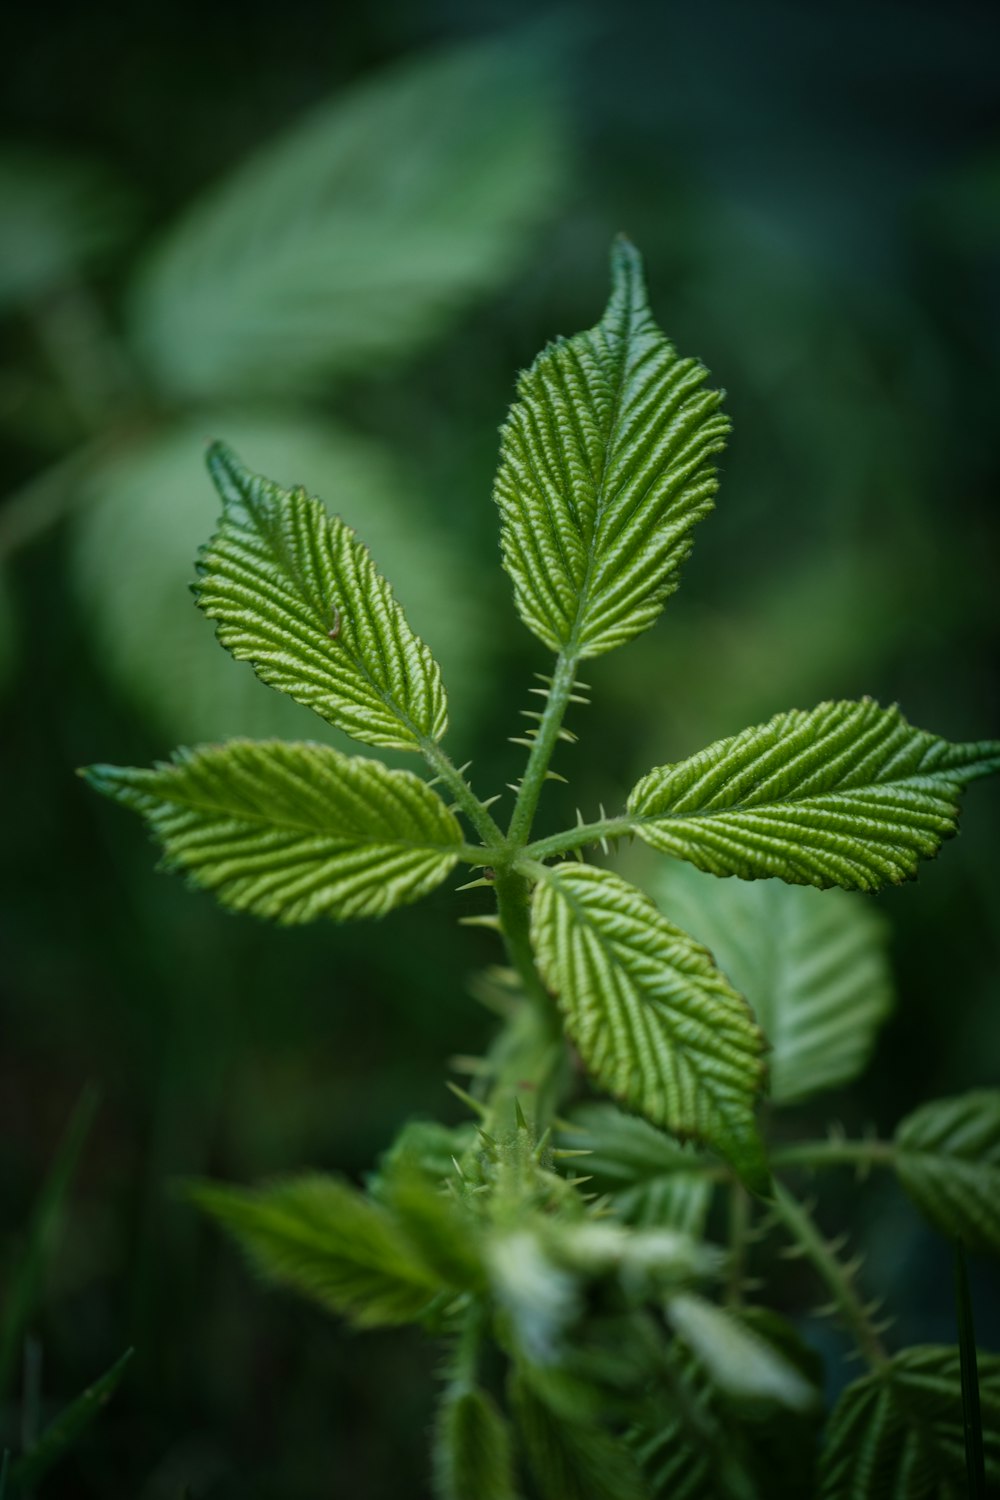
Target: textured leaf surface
655	1022
846	794
900	1436
813	965
292	831
472	1449
573	1460
326	1240
949	1162
295	593
149	507
605	466
652	1178
352	239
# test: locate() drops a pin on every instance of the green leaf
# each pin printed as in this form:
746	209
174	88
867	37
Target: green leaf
472	1449
739	1361
352	239
655	1022
149	505
68	1426
329	1242
846	794
813	965
292	831
651	1178
972	1413
24	1282
605	466
948	1160
899	1433
295	593
572	1460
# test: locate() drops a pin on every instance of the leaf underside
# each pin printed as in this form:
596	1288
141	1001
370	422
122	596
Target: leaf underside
655	1022
652	1179
295	593
813	965
326	1240
605	467
900	1434
292	831
845	794
948	1160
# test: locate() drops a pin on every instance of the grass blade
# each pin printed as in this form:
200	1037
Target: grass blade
26	1278
71	1422
972	1417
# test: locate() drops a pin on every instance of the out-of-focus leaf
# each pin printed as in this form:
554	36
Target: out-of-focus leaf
948	1160
812	964
846	794
652	1178
656	1023
23	1284
472	1449
739	1361
292	831
898	1434
294	591
56	214
328	1242
349	241
62	1433
150	510
572	1460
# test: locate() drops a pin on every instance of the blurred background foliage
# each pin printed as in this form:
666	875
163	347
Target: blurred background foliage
331	236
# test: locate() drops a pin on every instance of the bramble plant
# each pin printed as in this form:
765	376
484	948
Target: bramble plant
586	1357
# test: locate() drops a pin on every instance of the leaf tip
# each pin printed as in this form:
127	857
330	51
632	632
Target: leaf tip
228	474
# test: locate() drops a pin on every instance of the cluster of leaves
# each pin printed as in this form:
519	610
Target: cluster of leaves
624	1377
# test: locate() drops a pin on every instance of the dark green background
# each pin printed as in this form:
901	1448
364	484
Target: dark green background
817	191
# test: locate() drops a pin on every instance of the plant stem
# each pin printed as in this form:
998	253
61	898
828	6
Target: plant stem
541	750
514	906
583	834
440	762
835	1153
803	1230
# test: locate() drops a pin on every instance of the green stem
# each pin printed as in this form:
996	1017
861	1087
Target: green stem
579	837
441	764
835	1154
542	747
514	906
803	1230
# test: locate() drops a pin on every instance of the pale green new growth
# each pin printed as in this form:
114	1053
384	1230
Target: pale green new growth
328	1241
605	466
297	595
813	965
899	1433
293	831
738	1360
847	794
656	1023
948	1160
